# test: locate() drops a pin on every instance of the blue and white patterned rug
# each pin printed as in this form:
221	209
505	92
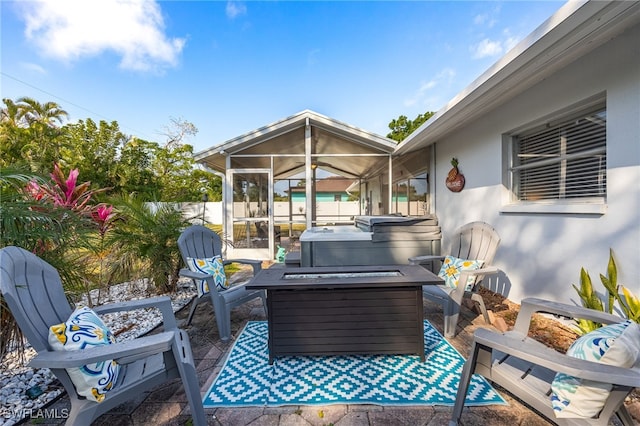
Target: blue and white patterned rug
247	379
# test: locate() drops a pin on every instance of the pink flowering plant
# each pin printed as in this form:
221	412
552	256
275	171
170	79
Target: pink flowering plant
64	191
87	246
58	196
105	217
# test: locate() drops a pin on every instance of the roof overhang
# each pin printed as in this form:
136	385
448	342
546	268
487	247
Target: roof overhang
574	30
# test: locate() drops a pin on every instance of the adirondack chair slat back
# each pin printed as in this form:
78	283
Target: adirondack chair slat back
199	242
476	241
34	294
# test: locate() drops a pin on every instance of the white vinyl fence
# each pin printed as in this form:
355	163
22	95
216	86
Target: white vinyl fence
338	211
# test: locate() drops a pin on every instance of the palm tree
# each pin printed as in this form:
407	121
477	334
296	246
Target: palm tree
47	114
10	114
144	241
12	130
42	122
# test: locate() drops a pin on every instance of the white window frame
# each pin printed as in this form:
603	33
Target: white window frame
421	206
578	205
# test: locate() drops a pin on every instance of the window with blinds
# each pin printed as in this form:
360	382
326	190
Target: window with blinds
566	160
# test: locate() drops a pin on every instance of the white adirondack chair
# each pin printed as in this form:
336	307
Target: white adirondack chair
526	368
473	241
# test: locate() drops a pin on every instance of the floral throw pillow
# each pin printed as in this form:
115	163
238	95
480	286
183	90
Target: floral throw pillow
451	267
212	266
616	344
84	329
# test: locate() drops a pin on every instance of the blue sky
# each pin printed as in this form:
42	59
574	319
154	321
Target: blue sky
231	67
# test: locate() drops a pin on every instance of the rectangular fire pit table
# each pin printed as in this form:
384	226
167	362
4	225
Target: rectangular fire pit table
343	310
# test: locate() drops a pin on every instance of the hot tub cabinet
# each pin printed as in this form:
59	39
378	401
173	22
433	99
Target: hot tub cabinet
348	310
372	240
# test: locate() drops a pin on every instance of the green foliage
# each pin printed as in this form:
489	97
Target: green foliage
628	303
30	134
36	224
402	127
33	137
91	244
10	334
178	178
97	151
590	300
135	170
42	227
144	241
631	305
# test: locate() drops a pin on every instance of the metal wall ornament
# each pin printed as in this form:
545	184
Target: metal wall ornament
455	179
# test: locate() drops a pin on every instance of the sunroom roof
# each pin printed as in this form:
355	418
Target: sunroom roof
337	147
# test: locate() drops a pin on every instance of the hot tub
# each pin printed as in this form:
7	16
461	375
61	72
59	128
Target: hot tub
371	240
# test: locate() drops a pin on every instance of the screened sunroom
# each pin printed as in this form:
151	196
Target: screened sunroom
310	170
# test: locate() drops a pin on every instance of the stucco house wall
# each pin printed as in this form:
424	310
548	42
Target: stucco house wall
542	254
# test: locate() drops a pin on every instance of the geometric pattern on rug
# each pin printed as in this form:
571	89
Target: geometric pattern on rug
247	379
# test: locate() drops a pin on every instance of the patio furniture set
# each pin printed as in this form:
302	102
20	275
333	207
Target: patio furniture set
320	310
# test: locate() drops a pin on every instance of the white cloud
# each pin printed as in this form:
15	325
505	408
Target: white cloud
496	44
72	29
489	18
487	48
235	9
34	68
427	95
485	19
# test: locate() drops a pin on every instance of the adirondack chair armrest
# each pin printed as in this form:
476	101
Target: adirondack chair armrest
123	352
419	260
188	273
525	348
529	306
256	264
458	292
486	270
162	303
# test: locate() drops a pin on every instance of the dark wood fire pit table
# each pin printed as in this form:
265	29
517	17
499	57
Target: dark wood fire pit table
340	310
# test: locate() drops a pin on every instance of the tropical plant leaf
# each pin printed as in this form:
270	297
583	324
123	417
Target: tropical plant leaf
629	305
633	304
612	269
610	282
589	298
586	326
